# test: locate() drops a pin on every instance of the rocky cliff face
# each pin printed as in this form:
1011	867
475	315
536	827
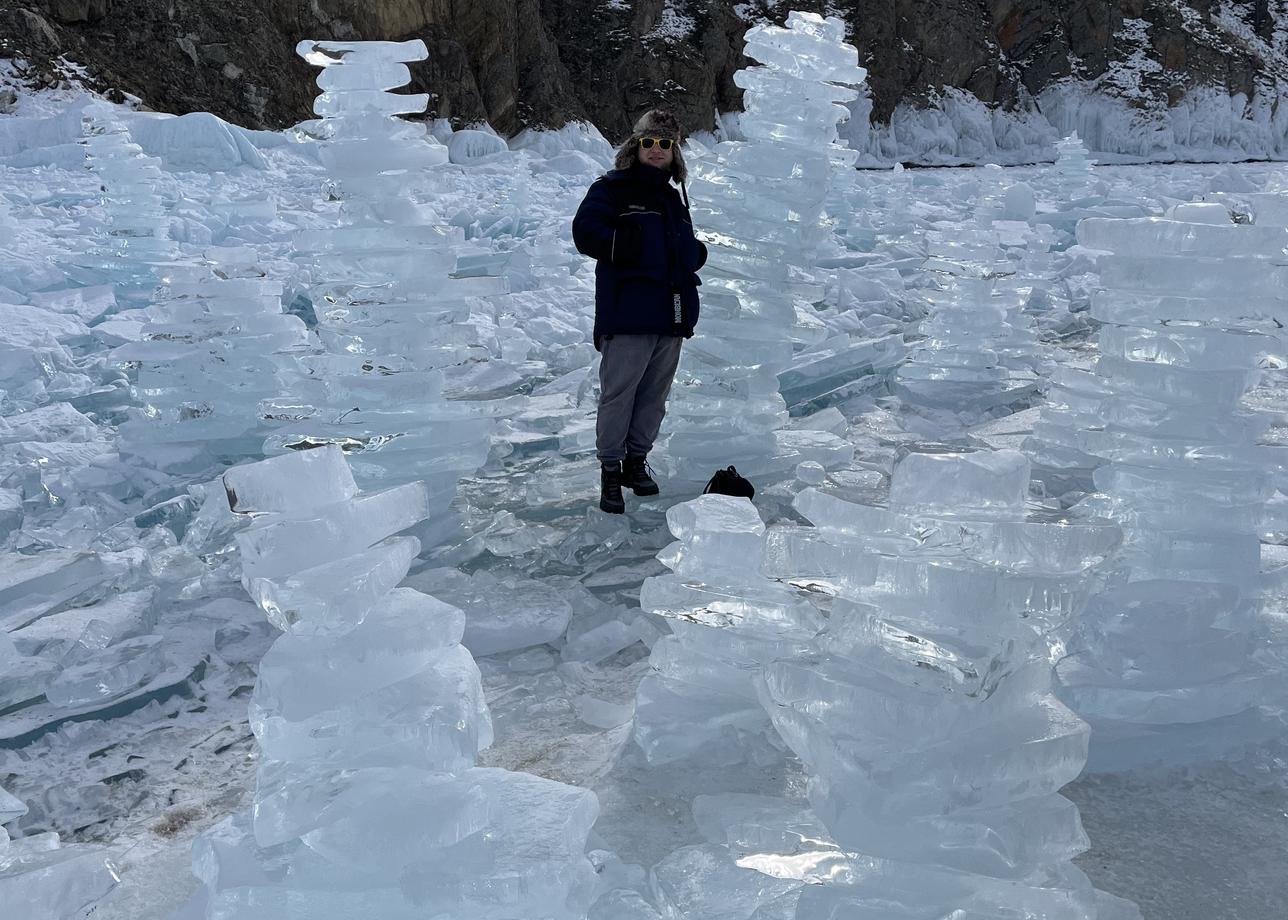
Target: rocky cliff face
517	63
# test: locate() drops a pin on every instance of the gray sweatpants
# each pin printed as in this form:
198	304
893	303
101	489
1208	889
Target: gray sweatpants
635	374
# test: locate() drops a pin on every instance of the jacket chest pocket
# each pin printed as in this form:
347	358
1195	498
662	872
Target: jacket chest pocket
651	225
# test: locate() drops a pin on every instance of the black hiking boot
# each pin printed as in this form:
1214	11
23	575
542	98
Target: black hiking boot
610	489
635	476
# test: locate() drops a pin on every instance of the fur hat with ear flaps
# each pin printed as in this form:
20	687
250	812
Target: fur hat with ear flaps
654	123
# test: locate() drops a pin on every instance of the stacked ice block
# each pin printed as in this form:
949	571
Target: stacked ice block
1075	193
979	350
369	714
384	282
1172	663
758	204
215	345
904	654
137	228
925	720
389	316
1073	169
727	622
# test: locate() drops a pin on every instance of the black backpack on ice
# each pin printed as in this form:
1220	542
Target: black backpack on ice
728	482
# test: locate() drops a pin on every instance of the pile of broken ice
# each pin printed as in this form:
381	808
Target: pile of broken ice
85	557
759	203
1172	662
369	714
40	879
905	655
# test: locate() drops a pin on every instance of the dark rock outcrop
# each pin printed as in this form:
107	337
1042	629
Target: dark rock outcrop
516	63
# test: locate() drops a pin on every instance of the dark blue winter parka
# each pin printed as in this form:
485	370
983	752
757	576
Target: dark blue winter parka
633	223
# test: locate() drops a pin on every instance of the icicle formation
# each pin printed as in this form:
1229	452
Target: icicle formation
138	230
925	720
212	349
1171	664
387	311
759	206
369	714
42	880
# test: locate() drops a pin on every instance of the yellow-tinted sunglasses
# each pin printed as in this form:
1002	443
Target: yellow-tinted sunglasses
663	142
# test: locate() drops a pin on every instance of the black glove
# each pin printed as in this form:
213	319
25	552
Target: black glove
627	245
702	255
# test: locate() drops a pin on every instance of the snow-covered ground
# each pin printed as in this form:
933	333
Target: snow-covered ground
146	774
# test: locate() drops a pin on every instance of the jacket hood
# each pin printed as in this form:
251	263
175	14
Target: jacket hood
655	123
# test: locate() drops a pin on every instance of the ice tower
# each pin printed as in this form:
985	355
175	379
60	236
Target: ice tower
979	350
1172	663
758	204
382	281
215	345
905	655
389	316
369	714
700	697
137	227
925	721
1072	171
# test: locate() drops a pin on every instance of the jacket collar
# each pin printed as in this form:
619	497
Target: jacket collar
639	172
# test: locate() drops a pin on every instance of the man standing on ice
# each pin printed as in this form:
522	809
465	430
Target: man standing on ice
636	227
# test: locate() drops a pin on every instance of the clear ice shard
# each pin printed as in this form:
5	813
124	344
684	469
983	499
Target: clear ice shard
501	613
725	404
369	715
1175	662
979	486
